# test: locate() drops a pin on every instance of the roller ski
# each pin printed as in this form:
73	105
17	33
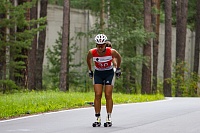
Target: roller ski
97	123
108	123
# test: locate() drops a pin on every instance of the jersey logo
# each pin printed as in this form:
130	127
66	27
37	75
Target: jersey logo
97	59
102	59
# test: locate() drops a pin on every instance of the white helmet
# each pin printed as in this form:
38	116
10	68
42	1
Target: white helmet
100	39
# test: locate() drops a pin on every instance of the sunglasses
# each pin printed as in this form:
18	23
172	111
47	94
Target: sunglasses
100	45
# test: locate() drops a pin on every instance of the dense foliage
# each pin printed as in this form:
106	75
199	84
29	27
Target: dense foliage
123	26
16	38
51	78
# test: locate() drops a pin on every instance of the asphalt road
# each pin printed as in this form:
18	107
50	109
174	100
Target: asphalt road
173	115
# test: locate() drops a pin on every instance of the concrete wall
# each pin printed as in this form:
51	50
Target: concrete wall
82	21
189	50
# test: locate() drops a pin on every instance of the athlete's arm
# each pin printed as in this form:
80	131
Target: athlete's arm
117	56
89	62
114	63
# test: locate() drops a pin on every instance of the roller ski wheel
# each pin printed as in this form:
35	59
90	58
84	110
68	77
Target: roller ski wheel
96	124
107	124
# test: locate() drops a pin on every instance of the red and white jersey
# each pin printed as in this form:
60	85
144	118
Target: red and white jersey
102	62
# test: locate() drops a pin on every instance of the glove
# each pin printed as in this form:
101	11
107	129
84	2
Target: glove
118	72
114	69
91	74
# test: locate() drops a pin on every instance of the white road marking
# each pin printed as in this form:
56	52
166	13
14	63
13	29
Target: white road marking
21	130
25	117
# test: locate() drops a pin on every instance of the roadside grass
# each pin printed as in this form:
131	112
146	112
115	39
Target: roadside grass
21	104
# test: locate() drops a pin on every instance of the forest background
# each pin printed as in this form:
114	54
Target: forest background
131	29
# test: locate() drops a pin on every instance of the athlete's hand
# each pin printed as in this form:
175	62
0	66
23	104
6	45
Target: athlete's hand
91	74
118	72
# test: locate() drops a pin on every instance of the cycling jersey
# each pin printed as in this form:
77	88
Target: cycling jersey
102	62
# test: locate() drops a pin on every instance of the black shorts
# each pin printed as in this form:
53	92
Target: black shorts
104	77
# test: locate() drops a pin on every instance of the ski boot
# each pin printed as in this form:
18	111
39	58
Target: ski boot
97	123
108	122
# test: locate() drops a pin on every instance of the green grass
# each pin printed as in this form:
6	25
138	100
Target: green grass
20	104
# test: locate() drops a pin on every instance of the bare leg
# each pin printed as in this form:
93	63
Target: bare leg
98	95
97	104
108	96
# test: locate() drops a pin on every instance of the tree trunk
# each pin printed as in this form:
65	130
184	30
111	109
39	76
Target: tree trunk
197	44
32	53
181	24
21	80
2	54
197	40
11	58
146	68
102	23
41	47
156	24
64	82
128	87
168	47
